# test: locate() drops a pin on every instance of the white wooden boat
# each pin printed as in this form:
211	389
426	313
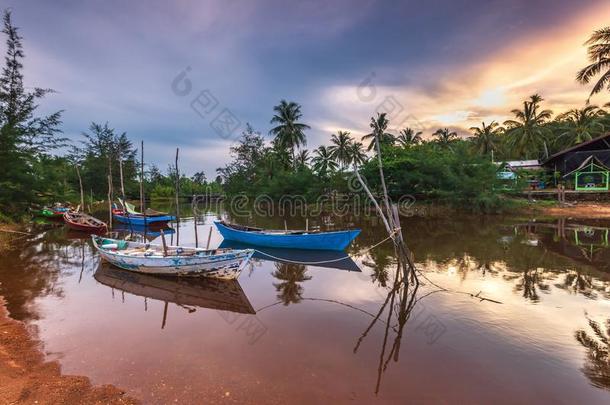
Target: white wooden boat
173	260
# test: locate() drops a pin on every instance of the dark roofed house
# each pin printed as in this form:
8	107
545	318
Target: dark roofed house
586	164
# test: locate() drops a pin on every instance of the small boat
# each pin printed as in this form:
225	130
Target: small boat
172	260
119	216
53	213
128	215
309	240
80	221
149	233
223	295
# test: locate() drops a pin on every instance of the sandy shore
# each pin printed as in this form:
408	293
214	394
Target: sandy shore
26	378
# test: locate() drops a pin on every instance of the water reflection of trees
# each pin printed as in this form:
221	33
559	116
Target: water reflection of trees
597	343
32	266
289	289
395	312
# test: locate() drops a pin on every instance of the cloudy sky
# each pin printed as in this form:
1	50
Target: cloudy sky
187	73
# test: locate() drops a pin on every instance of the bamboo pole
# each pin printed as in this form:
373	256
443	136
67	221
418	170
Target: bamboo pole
82	194
164	243
177	202
142	199
207	245
386	199
109	203
195	225
121	174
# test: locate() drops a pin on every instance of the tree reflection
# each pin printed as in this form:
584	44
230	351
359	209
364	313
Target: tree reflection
399	303
597	365
289	290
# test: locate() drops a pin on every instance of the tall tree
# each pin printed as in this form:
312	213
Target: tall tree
527	132
485	137
580	125
407	137
444	136
302	158
340	148
379	125
103	147
24	137
357	154
599	56
289	132
323	161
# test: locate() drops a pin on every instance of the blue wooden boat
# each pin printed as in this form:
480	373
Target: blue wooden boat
141	220
310	240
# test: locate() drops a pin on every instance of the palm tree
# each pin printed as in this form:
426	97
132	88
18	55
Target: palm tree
340	149
289	289
379	126
580	125
357	155
485	137
323	161
408	137
599	56
302	158
597	364
289	132
444	136
527	131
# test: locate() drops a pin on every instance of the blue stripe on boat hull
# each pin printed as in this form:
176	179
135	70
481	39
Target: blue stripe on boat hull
140	220
337	240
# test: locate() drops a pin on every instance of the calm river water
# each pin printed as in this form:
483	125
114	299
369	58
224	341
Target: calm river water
340	332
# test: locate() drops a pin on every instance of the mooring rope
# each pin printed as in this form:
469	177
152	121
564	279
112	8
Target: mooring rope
360	253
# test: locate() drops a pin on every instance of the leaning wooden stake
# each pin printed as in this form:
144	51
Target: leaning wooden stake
82	194
207	245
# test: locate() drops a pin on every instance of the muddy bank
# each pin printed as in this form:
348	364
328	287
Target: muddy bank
25	376
577	210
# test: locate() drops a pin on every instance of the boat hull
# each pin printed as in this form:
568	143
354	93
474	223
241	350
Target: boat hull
139	220
98	229
336	240
226	266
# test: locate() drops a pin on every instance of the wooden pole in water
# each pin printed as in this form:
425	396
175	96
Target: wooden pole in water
177	204
121	174
285	227
82	194
195	225
109	203
306	224
207	245
164	315
164	243
142	199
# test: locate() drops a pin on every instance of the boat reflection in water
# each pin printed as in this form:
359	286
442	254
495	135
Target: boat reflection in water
319	258
191	293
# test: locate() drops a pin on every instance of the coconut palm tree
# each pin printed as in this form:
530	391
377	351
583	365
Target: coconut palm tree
357	155
408	137
599	56
323	161
527	132
340	148
580	125
379	126
597	344
290	290
302	158
289	132
486	137
444	136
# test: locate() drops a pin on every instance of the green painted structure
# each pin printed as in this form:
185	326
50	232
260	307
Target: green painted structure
591	175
